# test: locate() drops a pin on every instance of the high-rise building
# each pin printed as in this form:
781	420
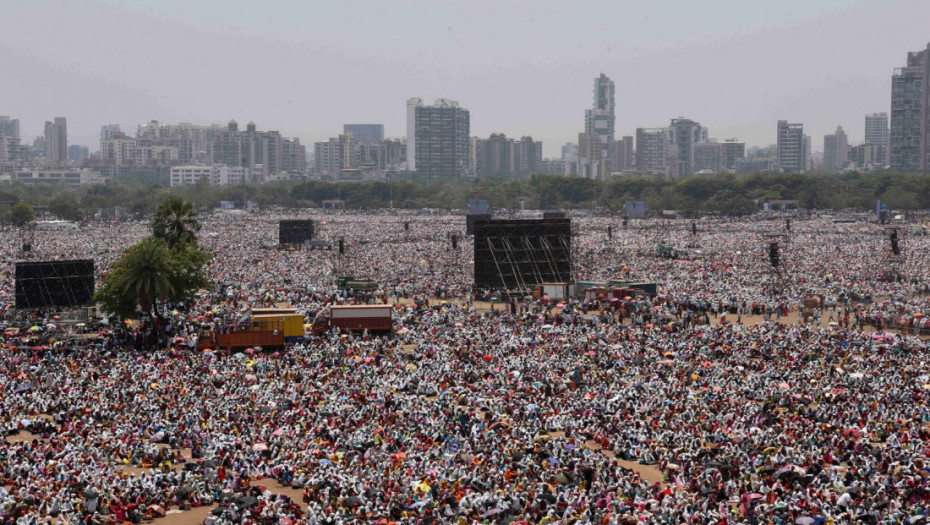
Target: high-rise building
494	155
708	156
591	158
683	135
599	122
652	151
76	152
835	150
876	134
9	139
791	153
733	152
9	127
56	140
265	153
438	139
109	131
620	158
364	131
909	135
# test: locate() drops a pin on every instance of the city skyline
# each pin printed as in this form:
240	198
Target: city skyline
515	79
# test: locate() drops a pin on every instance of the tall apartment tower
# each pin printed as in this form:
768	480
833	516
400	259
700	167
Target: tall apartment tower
683	135
600	119
9	138
56	140
652	151
9	127
876	134
835	150
790	150
438	139
910	131
733	151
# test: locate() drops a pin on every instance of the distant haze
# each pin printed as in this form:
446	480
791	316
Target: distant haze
521	68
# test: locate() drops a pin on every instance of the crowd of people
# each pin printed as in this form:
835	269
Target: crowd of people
668	409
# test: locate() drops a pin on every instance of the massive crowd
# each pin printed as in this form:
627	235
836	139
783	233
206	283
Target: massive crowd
672	413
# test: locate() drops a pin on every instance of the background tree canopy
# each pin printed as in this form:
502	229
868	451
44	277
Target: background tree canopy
724	193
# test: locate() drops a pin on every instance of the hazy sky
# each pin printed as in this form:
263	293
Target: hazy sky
521	67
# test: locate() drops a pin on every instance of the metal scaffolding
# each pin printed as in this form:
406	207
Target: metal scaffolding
515	255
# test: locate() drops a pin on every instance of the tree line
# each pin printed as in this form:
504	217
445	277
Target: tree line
723	193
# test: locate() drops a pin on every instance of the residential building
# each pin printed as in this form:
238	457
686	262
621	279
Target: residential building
56	140
9	139
216	175
265	153
9	127
791	152
76	152
835	151
553	166
109	131
876	132
652	151
438	139
592	161
600	119
570	159
620	157
683	135
910	130
867	157
364	131
499	155
733	152
71	178
708	156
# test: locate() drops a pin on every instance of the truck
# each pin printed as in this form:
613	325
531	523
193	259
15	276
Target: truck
555	291
239	339
581	286
641	288
291	325
371	317
596	294
353	284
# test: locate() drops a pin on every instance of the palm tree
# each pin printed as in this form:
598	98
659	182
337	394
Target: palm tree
144	273
176	222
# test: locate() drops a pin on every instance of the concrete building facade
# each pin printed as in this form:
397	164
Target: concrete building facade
56	140
835	151
909	131
652	151
791	152
683	135
438	139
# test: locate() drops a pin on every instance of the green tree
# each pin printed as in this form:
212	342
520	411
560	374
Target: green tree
176	222
22	213
149	274
65	208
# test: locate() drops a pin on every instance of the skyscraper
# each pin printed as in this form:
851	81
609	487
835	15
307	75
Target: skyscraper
440	138
364	131
733	152
835	150
652	151
910	131
620	157
9	139
56	140
9	127
790	151
600	119
683	135
876	134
